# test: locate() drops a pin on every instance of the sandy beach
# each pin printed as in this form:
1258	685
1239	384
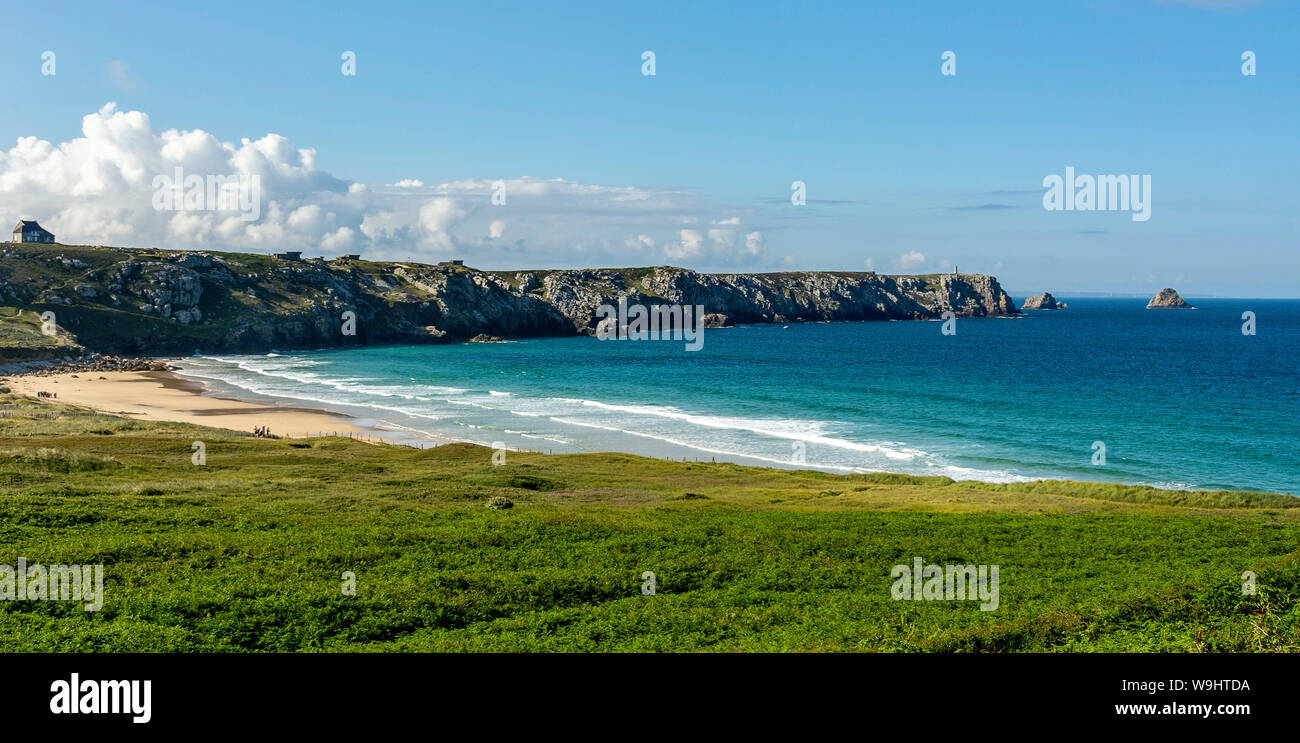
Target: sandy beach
164	396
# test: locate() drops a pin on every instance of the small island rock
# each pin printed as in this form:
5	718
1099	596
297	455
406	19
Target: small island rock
1044	301
1168	299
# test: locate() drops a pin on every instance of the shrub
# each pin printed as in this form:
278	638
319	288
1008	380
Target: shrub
531	482
57	460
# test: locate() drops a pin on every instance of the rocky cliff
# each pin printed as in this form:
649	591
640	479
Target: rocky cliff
158	302
729	299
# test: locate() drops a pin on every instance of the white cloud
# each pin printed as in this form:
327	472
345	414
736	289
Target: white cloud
437	217
98	189
641	242
910	261
342	240
688	247
723	240
308	217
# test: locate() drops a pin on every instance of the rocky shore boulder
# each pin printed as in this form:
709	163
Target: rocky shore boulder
1168	299
92	362
1044	301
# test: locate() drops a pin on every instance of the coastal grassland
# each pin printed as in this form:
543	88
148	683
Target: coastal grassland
21	338
246	552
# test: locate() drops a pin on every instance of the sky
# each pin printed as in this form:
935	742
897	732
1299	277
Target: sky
514	135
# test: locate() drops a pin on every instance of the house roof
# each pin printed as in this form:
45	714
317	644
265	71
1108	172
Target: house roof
22	223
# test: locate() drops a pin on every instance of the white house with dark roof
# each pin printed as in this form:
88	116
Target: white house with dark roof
28	231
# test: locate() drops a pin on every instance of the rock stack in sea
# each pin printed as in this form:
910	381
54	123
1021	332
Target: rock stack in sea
1044	301
1168	299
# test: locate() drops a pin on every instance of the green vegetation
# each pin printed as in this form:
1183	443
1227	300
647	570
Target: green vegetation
246	553
21	338
245	290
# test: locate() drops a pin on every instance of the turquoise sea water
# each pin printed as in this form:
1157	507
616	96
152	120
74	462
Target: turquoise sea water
1179	398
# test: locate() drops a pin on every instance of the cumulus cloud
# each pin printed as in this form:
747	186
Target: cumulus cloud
724	240
101	188
911	260
342	240
437	217
687	247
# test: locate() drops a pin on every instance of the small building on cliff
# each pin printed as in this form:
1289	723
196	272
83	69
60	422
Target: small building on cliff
28	231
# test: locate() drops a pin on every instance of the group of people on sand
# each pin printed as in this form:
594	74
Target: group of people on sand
262	432
52	395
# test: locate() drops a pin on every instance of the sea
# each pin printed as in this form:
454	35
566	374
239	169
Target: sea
1105	390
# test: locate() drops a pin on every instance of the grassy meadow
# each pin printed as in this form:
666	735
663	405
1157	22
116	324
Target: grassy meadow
21	338
246	552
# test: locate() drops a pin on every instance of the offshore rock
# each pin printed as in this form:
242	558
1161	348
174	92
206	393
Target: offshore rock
1168	299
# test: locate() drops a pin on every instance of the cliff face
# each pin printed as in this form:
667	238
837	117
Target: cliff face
729	299
155	302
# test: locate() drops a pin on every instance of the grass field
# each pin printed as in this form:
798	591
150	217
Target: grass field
246	552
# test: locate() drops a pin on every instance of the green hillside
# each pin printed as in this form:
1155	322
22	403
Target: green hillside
21	338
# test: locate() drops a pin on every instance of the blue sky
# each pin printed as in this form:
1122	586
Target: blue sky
906	169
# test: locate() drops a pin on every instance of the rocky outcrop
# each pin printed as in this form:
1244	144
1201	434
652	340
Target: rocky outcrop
1044	301
805	296
162	286
1168	299
89	363
156	302
467	303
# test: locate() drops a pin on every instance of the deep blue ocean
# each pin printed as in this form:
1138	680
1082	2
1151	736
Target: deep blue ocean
1179	398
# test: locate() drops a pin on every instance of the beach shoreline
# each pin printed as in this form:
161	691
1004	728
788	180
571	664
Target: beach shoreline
164	391
168	396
